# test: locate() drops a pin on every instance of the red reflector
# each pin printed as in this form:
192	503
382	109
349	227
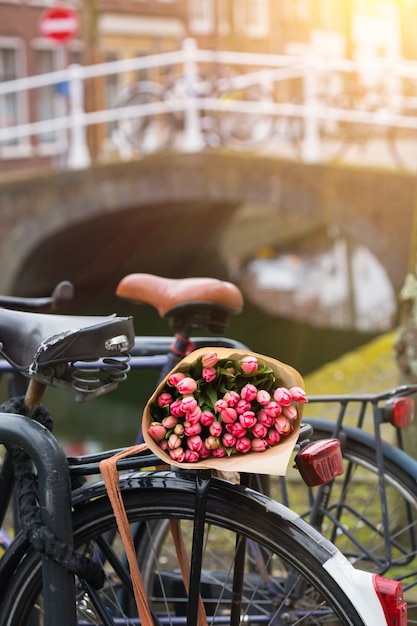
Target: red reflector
400	411
320	461
390	594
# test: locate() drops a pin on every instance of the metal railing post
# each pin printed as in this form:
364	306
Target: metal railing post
78	153
192	140
311	148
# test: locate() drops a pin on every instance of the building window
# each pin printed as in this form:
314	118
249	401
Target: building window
12	104
51	102
224	17
252	18
257	18
201	16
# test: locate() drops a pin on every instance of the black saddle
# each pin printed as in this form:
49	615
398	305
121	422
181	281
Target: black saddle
30	341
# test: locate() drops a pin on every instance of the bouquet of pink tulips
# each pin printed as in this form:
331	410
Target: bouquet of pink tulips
220	409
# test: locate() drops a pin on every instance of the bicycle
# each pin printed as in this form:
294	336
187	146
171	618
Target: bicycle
159	112
292	575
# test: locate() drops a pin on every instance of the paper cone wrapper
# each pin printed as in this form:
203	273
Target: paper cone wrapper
274	460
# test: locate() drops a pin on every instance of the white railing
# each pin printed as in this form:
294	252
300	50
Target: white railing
263	69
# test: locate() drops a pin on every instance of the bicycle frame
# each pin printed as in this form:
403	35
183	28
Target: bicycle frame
55	505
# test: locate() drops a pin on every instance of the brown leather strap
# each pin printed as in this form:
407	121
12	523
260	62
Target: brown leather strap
108	469
110	475
184	563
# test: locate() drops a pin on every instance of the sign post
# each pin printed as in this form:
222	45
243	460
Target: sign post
60	24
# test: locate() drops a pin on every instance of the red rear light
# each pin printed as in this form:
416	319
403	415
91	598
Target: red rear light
390	594
399	411
320	461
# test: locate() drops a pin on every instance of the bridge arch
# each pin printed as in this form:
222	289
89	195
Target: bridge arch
178	214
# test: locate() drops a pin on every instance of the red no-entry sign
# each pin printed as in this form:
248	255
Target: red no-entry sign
59	23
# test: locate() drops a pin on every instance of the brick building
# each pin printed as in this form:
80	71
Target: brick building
118	29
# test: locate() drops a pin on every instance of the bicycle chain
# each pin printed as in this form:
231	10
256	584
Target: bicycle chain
39	535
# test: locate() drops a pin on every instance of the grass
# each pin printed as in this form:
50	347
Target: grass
370	368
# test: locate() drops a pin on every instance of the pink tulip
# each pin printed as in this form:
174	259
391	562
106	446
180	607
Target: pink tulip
259	445
290	412
272	437
164	399
219	453
209	359
263	397
206	418
191	456
265	419
242	406
170	421
231	397
192	429
176	409
188	404
220	405
174	379
248	392
236	429
194	416
283	396
157	431
177	454
283	426
249	364
164	445
209	374
204	453
187	385
228	415
228	440
247	419
194	443
298	394
243	445
259	430
273	409
215	429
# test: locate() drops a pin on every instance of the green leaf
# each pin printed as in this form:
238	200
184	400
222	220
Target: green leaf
210	397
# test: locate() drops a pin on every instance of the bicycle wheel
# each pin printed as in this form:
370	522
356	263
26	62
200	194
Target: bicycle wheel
291	574
374	535
151	131
239	129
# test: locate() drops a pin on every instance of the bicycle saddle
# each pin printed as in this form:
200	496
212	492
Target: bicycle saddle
33	340
165	294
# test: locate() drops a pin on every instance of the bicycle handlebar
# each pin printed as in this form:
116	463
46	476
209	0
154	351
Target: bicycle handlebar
63	293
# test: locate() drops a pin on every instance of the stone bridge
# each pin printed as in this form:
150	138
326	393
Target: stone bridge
182	215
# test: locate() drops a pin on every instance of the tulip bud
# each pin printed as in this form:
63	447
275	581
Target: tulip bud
249	364
298	394
157	431
187	385
209	359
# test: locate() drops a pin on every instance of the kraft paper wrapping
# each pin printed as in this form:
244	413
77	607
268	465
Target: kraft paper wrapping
273	460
